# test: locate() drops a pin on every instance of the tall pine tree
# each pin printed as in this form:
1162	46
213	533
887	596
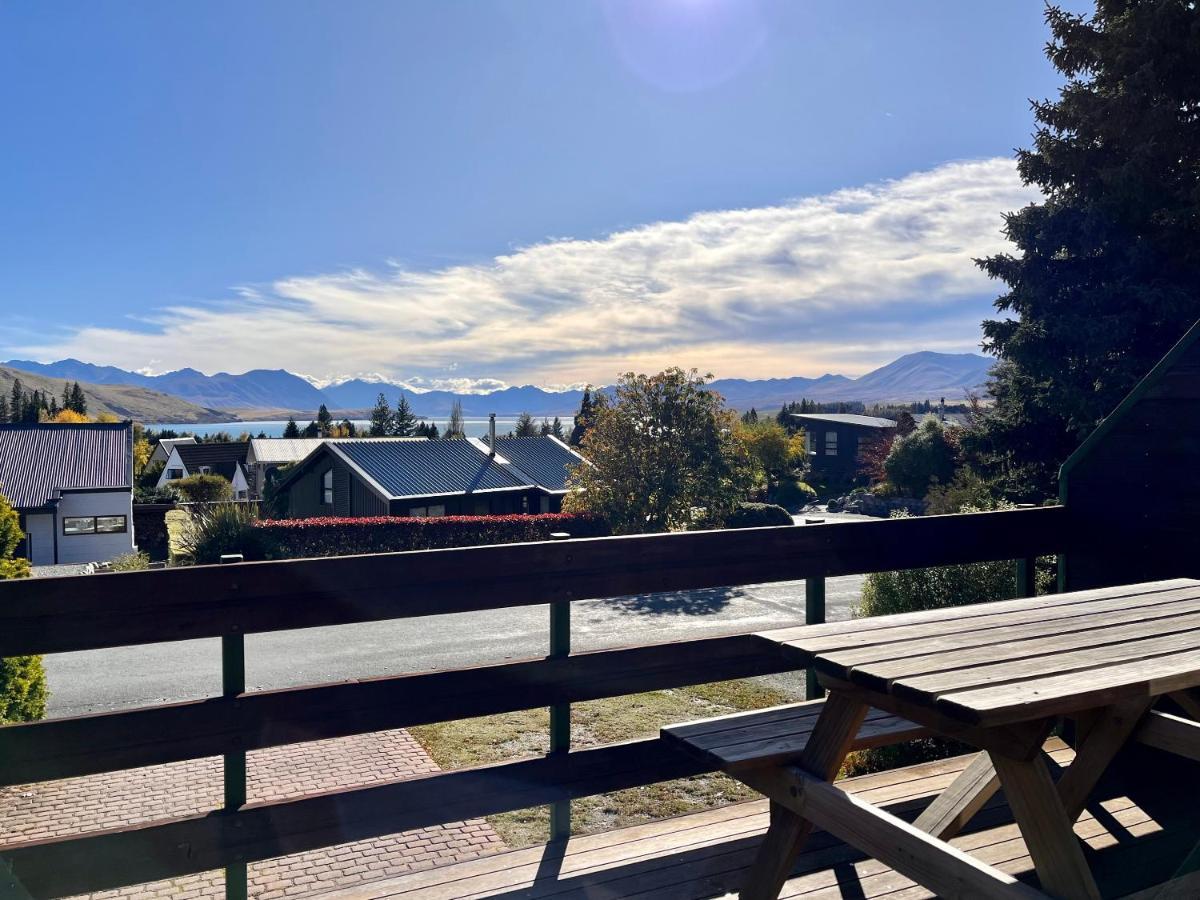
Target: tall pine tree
404	423
381	417
583	418
291	430
1105	276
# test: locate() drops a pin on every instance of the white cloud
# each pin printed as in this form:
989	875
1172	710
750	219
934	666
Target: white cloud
840	282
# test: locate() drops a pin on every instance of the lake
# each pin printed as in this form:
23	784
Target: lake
474	427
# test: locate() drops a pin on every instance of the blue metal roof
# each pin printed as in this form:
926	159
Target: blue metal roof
543	459
39	461
427	468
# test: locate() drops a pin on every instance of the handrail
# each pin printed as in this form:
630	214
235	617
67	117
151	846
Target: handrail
54	615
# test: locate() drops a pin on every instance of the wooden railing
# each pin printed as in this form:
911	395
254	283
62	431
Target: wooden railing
68	614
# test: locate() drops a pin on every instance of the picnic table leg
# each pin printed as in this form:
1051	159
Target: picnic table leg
1057	855
823	755
953	808
1109	733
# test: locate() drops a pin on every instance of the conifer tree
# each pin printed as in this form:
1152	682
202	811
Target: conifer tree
1105	273
381	417
525	426
583	418
404	423
78	400
556	428
3	410
324	421
16	402
291	430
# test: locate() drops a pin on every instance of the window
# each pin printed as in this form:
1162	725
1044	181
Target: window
174	474
436	510
418	512
831	443
327	488
95	525
427	512
79	525
206	470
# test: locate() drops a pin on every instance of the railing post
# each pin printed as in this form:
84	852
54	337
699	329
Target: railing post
1026	569
560	713
233	683
814	614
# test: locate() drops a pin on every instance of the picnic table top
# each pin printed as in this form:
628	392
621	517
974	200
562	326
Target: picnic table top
991	664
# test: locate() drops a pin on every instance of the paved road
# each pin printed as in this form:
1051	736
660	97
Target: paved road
97	681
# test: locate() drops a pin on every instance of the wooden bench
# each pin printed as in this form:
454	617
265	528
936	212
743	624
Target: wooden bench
776	736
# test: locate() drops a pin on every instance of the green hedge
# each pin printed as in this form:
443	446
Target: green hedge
755	515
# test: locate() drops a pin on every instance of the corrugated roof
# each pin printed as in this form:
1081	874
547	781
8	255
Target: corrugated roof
222	459
846	419
404	468
38	461
543	459
282	450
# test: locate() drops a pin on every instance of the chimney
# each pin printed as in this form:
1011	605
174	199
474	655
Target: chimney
942	411
491	434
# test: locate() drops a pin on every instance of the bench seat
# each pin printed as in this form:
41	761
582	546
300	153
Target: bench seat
776	736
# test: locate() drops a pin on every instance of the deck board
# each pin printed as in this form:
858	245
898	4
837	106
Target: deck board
705	855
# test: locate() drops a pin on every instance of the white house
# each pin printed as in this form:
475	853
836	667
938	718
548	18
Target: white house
227	459
162	450
72	486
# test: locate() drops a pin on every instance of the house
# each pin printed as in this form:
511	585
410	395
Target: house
405	477
225	459
162	450
268	455
72	487
833	439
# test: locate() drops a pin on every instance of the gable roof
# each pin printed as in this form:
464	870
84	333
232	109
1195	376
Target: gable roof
846	419
38	462
222	459
281	450
544	459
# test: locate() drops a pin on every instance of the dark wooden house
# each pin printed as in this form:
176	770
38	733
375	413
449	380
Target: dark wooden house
833	439
417	477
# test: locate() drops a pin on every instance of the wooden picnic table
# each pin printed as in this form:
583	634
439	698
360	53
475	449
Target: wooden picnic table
998	676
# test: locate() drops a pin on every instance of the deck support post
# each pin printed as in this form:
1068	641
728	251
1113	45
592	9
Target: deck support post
1027	577
233	683
560	713
814	614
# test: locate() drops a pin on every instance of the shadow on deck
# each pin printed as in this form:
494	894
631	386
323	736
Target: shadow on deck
1135	836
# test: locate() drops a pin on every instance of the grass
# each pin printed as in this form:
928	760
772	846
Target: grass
473	742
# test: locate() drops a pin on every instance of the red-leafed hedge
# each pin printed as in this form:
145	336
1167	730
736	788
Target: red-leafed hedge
332	536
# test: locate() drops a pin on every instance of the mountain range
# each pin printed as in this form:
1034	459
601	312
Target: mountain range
916	376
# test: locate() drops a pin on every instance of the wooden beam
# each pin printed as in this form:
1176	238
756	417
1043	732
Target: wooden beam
1104	738
951	810
84	745
173	848
1056	852
1188	701
54	615
930	862
1171	733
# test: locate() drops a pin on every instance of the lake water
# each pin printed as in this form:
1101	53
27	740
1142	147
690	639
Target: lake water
474	427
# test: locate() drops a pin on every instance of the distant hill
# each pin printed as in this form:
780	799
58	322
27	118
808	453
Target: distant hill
917	376
122	401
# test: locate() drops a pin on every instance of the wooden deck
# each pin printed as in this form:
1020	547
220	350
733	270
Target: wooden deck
1132	844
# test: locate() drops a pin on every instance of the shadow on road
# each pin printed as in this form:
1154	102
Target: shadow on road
676	603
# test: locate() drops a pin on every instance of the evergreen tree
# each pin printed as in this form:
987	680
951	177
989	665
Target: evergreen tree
544	428
1106	273
454	427
324	421
16	402
33	407
426	430
78	400
53	406
3	410
66	395
313	430
751	417
404	423
291	430
556	428
347	428
381	417
583	418
525	426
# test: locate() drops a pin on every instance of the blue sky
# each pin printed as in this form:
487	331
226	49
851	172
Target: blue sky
544	192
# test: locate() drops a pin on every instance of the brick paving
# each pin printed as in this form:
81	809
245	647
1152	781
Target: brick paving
79	805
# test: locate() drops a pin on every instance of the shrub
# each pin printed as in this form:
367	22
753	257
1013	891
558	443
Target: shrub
130	562
204	488
754	515
918	459
330	536
22	678
793	494
217	529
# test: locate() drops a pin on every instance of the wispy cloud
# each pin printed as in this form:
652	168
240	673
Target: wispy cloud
840	281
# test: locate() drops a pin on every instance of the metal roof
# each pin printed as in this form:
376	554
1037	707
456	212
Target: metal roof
37	462
543	459
846	419
222	459
404	468
281	450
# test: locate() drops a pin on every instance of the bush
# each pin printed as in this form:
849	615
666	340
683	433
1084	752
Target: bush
204	488
793	494
916	460
22	678
130	562
330	536
220	528
754	515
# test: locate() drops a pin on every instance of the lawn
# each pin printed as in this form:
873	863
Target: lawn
489	739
